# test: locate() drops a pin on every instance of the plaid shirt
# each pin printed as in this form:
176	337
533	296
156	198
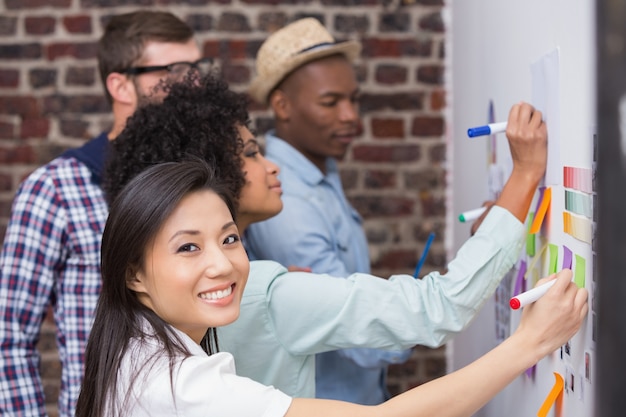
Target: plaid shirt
51	256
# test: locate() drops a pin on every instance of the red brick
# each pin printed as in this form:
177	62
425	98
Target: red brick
346	3
35	128
233	22
36	4
437	153
432	22
77	24
21	51
430	74
39	25
237	74
394	47
6	183
79	104
211	48
431	205
8	25
397	153
391	74
24	106
427	126
383	206
17	155
200	22
80	76
348	23
74	128
393	101
424	2
5	209
377	179
349	178
9	78
86	50
387	128
42	77
394	22
271	21
239	49
270	2
437	100
429	178
397	258
7	130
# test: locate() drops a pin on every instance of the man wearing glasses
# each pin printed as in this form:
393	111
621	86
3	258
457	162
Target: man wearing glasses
51	251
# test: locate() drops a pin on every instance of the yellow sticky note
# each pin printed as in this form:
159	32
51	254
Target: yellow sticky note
541	211
557	389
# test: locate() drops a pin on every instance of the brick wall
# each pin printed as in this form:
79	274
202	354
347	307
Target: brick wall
51	99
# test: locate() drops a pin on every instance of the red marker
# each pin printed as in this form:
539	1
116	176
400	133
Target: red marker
530	296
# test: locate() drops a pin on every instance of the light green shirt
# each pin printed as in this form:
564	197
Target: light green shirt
288	317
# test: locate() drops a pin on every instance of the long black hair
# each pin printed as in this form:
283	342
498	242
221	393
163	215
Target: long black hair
134	219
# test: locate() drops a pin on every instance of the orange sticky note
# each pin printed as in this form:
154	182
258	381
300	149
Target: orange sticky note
556	390
541	211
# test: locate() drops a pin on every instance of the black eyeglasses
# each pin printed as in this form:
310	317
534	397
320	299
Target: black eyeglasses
175	69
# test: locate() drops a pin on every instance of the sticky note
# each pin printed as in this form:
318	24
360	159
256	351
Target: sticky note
567	257
579	272
540	214
519	282
532	268
554	257
557	389
530	238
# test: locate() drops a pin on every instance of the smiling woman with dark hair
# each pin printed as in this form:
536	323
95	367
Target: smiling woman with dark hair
174	269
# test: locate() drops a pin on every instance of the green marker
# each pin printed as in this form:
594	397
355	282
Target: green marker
470	215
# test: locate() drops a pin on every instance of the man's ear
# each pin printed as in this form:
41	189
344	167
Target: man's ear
280	104
121	88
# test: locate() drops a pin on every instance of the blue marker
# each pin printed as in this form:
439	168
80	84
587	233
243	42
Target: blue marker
489	129
429	241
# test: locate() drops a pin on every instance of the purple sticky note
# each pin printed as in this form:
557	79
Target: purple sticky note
567	258
519	281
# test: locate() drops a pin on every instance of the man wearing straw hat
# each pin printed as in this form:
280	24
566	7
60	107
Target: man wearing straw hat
308	80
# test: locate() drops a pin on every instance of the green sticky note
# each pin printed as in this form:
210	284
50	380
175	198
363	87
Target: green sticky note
579	272
554	257
530	239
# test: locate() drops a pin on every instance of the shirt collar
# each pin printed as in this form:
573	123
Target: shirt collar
285	155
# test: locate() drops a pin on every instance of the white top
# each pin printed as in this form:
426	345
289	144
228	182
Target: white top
202	385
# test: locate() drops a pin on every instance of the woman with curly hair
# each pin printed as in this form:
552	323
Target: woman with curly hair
174	269
288	317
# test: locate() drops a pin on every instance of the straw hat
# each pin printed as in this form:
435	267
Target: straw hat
288	48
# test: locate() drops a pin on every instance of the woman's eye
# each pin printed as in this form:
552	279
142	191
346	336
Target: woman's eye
231	239
188	247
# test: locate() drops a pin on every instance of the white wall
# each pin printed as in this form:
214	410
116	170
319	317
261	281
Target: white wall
492	46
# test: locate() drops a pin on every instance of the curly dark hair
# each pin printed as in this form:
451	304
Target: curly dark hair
198	118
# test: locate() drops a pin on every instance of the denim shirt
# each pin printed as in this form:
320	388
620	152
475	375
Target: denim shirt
318	228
